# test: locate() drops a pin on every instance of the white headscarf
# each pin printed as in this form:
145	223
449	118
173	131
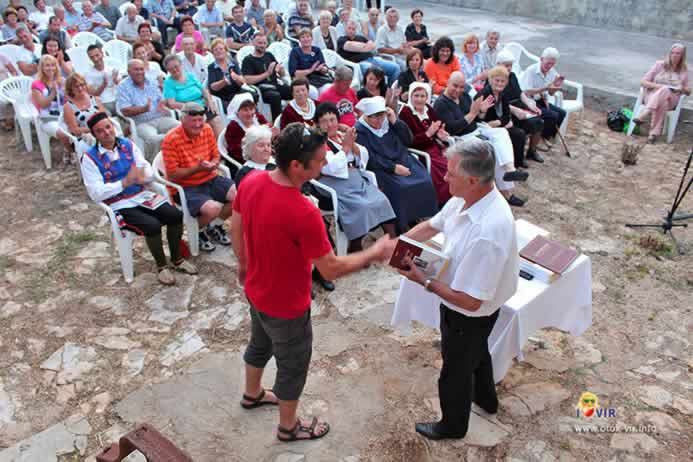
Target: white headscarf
370	106
235	104
413	87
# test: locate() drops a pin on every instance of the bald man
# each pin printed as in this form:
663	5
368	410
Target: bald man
126	28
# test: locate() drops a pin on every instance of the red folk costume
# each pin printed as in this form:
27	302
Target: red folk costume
418	124
293	113
234	137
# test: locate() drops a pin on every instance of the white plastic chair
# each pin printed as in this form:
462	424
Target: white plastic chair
671	119
570	105
333	60
85	38
79	59
224	152
17	92
281	52
124	238
244	52
118	50
419	154
518	52
191	225
133	129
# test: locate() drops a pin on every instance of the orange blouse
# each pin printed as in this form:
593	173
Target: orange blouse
439	73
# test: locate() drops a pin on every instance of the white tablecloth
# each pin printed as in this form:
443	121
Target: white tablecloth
565	304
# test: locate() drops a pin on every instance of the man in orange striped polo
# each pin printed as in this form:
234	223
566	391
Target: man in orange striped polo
191	157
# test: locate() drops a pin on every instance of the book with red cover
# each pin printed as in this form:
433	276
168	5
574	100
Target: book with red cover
427	258
549	254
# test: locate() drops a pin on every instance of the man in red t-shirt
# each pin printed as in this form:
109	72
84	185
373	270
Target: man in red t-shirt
277	235
342	95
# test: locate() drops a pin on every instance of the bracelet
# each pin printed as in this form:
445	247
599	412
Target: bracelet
427	284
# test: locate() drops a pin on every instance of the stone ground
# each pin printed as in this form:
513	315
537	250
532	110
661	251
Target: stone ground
84	356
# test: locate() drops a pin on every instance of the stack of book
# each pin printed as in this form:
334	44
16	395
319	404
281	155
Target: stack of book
428	256
545	259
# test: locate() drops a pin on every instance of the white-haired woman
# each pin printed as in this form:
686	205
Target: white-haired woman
325	34
664	84
257	151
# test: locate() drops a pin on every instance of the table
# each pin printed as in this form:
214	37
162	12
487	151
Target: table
565	304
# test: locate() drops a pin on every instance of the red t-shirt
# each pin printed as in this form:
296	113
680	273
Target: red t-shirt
283	233
345	104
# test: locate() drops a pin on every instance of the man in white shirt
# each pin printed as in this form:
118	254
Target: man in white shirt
29	54
390	39
540	80
192	62
126	28
480	241
210	20
226	7
102	79
41	16
490	48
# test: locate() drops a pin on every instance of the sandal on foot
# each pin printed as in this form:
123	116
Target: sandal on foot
257	402
293	433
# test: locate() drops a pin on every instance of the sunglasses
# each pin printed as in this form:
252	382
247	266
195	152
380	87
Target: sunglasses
197	113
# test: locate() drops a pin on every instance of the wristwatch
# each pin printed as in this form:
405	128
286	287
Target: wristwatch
427	283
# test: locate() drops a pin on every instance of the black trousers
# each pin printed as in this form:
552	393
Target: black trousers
144	221
553	118
273	95
518	138
467	373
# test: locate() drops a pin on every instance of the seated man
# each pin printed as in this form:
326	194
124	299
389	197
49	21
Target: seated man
115	173
29	54
126	28
56	31
91	21
192	157
140	99
391	40
72	15
262	70
41	16
344	18
163	12
358	49
490	48
108	11
301	19
193	62
102	79
540	80
238	33
343	96
210	21
459	114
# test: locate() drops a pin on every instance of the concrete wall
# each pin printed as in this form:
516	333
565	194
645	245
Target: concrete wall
666	18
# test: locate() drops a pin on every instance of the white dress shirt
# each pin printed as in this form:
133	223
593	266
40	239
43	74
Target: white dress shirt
198	69
94	78
532	77
482	246
98	190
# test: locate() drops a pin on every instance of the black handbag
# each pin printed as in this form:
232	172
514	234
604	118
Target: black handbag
616	120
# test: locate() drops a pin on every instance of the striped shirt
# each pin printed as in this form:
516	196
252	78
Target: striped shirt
181	151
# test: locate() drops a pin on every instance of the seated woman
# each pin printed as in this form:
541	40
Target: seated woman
300	108
499	116
362	206
472	63
153	71
243	115
78	109
307	61
414	73
417	35
401	177
224	77
188	27
443	62
273	30
48	96
526	114
115	172
51	46
181	87
374	85
429	135
325	34
257	152
664	84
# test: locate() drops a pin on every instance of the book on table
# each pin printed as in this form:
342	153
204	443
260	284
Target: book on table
428	257
545	259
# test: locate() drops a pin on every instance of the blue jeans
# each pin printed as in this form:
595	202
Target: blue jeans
391	68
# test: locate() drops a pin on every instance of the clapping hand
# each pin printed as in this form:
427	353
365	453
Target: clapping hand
135	176
208	165
391	116
433	129
271	68
442	134
486	103
349	139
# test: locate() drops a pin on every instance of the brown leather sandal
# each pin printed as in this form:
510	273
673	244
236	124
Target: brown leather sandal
257	402
293	433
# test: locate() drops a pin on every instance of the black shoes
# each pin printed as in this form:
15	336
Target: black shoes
430	431
535	156
218	234
517	175
324	283
205	242
516	201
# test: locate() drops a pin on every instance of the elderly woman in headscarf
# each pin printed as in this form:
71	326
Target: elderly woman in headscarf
664	84
428	133
362	206
243	115
257	151
401	177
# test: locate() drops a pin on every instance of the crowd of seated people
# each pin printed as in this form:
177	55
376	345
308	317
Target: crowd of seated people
415	92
